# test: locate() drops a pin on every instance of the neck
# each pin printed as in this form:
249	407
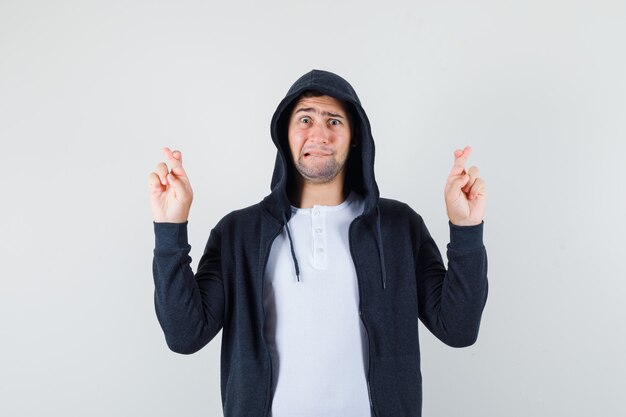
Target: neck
307	194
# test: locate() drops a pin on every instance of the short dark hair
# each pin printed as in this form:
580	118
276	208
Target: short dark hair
310	93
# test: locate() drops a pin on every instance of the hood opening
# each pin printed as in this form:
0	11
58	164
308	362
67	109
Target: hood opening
359	166
354	165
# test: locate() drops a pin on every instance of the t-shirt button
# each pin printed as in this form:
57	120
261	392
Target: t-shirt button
316	212
318	230
320	250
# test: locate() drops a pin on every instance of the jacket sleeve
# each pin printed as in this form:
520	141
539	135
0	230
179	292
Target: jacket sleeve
451	301
189	308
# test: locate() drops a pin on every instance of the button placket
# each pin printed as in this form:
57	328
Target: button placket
318	225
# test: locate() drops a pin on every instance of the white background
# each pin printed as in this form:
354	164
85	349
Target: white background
90	91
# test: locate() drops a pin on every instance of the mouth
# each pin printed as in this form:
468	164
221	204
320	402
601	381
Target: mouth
310	154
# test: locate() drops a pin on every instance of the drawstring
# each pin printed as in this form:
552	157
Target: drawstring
379	240
293	253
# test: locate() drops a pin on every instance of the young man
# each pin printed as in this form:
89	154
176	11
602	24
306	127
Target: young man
317	287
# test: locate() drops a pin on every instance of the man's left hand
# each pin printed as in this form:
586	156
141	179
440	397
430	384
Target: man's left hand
464	192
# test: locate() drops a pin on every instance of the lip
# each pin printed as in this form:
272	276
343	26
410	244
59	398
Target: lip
316	153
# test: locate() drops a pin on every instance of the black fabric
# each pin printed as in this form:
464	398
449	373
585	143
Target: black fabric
400	271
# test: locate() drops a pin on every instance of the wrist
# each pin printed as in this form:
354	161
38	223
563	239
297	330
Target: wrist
465	223
170	235
466	237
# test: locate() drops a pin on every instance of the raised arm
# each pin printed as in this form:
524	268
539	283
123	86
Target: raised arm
451	300
189	306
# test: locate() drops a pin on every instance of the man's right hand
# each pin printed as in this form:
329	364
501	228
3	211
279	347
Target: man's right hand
170	191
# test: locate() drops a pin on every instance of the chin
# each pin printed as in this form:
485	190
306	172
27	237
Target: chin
318	176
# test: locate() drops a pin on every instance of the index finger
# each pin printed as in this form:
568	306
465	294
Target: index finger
460	158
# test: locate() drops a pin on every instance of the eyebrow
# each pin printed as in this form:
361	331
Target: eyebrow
325	113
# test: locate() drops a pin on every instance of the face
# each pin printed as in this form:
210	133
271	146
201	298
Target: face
319	138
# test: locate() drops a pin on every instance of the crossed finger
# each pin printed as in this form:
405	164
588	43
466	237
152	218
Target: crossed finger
473	177
477	189
460	158
175	162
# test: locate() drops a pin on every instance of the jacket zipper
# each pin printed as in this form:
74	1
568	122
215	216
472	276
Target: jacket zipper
269	383
358	280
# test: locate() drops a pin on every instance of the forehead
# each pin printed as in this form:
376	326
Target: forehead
321	103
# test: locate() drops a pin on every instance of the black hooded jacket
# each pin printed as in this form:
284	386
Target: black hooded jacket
400	272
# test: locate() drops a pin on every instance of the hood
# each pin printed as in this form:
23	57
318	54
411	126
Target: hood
360	164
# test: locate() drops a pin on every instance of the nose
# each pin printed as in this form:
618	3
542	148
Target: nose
318	133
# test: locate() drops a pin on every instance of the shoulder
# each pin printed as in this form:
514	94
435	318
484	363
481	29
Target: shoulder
242	217
397	209
399	220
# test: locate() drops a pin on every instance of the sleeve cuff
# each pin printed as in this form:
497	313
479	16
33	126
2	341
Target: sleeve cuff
170	235
466	237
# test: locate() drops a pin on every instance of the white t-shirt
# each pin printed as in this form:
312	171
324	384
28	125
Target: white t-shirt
315	335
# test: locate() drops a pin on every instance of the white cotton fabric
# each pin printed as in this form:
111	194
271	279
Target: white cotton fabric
317	341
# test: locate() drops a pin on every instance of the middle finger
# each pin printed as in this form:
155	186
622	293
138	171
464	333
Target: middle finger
473	175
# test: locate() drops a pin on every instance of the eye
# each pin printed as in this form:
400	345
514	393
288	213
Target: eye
335	122
305	119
